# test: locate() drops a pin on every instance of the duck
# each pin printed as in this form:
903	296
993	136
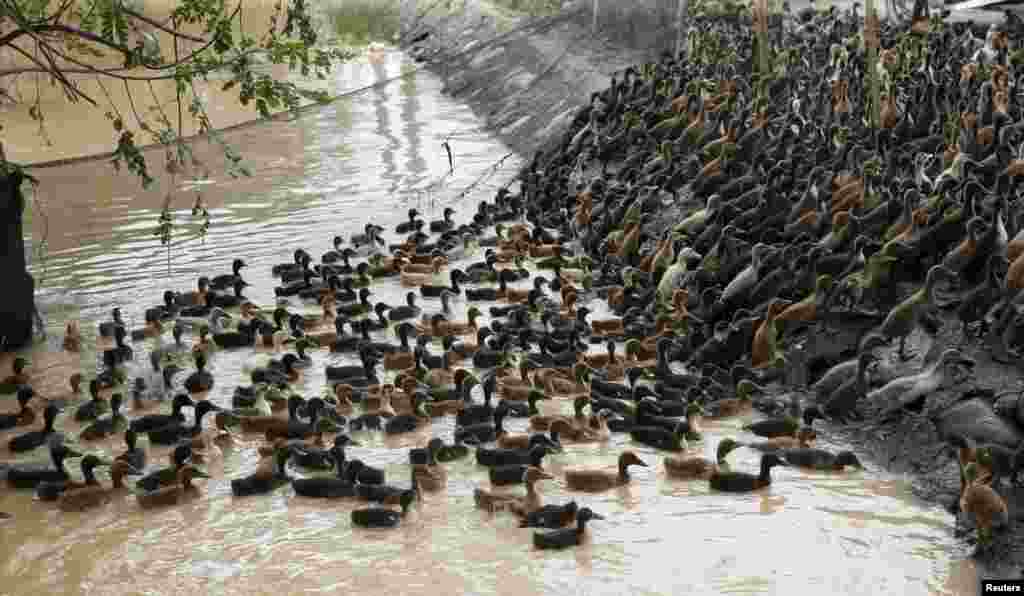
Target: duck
223	282
734	406
72	337
24	416
52	490
594	430
534	455
520	505
269	475
819	459
906	316
740	482
172	433
293	428
415	274
434	291
72	397
430	476
903	392
692	468
150	422
659	437
381	517
803	439
342	485
444	224
409	226
172	495
843	400
179	456
133	455
154	328
981	502
201	380
17	378
26	476
543	422
566	537
405	423
551	517
91	497
367	243
600	480
37	438
784	426
107	328
104	427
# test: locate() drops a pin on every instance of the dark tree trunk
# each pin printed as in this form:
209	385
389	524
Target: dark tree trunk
16	299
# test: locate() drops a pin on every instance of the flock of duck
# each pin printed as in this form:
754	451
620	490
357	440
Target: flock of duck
795	219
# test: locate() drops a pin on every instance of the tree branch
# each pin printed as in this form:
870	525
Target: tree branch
53	72
161	27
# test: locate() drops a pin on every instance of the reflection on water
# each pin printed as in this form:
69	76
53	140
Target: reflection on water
321	176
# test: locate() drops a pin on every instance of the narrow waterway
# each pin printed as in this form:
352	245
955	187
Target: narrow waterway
370	158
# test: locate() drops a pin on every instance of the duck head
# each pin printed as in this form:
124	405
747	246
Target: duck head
725	447
628	458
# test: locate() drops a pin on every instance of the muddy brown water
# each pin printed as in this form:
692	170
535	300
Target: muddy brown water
371	158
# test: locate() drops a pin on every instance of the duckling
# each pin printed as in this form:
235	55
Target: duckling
691	468
819	459
520	505
51	491
24	416
104	427
599	480
380	517
566	537
134	455
90	497
983	503
24	476
17	379
172	495
30	440
803	439
739	482
72	337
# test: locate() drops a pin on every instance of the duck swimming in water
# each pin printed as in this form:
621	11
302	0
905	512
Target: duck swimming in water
566	537
166	476
173	495
133	455
690	468
381	517
37	438
740	482
600	480
25	476
108	425
24	416
51	491
819	459
91	497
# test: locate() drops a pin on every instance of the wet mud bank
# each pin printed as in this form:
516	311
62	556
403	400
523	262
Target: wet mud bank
529	82
525	76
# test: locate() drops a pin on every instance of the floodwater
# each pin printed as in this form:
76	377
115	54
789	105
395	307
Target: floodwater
371	158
